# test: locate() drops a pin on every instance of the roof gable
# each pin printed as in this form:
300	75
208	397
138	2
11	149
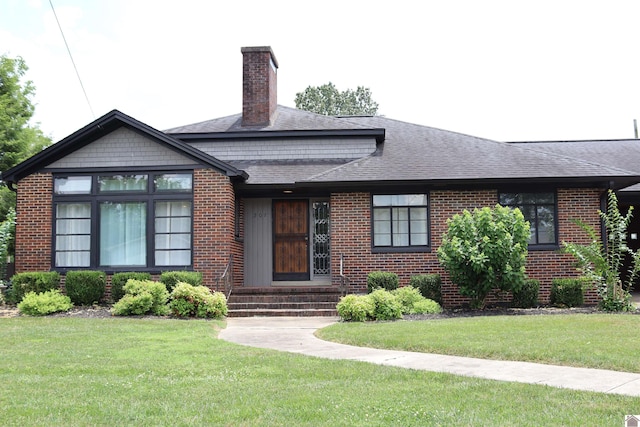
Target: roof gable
101	127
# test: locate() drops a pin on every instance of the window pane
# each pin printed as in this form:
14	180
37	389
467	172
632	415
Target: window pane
546	225
168	258
401	227
510	199
173	233
174	181
123	234
122	183
73	235
419	226
72	185
381	200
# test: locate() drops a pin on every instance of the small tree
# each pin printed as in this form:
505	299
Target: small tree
328	100
602	263
485	250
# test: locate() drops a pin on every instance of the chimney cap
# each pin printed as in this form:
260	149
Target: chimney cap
261	49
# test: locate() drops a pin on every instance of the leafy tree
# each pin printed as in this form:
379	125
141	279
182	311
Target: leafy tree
485	250
602	263
328	100
18	139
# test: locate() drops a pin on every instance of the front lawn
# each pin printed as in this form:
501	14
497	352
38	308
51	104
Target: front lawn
606	341
121	371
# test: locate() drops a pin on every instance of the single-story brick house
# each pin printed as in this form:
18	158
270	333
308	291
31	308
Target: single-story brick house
289	198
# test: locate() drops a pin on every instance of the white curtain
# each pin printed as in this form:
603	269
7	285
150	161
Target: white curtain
123	235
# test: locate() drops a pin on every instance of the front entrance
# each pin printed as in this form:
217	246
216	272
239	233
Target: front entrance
290	240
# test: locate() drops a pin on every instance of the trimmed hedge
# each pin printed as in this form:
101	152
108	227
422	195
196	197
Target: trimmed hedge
85	287
118	280
430	286
382	280
197	301
568	292
38	282
527	295
172	278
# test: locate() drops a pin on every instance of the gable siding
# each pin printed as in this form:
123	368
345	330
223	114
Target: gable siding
293	149
351	236
122	148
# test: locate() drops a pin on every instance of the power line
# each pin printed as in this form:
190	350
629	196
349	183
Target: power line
72	61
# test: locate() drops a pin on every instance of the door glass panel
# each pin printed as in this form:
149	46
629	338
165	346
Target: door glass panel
321	249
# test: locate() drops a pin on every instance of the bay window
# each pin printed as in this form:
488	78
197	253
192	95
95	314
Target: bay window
123	221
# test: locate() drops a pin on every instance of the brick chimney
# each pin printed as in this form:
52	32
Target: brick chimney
259	85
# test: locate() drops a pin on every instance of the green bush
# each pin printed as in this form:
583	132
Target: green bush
568	292
412	301
197	301
386	305
382	280
485	250
172	278
85	287
426	306
41	304
527	295
430	286
142	297
355	308
118	280
38	282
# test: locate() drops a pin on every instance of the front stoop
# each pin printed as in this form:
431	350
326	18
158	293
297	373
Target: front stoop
284	301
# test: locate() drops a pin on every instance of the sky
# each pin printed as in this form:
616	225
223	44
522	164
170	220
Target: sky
509	70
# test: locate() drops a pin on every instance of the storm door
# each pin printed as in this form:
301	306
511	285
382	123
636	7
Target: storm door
290	240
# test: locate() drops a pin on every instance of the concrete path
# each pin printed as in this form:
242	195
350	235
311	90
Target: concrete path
296	335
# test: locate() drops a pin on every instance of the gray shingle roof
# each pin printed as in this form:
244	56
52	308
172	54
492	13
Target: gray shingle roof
416	153
286	119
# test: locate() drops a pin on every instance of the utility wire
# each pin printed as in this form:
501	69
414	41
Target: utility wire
72	61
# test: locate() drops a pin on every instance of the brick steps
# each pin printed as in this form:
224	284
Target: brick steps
284	301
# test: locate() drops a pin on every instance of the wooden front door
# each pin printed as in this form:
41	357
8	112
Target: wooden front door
290	240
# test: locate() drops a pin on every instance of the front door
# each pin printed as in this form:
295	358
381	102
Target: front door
290	240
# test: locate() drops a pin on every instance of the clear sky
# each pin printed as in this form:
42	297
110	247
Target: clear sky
508	70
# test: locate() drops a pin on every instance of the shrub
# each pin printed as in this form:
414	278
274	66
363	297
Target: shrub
430	286
527	295
602	263
426	306
37	282
197	301
172	278
382	280
142	297
568	292
85	287
386	305
41	304
118	280
356	308
485	250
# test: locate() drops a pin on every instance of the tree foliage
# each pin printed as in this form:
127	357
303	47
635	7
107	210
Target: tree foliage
328	100
485	250
601	263
19	139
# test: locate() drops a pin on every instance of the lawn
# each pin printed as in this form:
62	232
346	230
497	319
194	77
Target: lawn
121	371
606	341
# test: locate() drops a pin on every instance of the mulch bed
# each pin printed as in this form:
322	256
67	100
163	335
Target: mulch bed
105	312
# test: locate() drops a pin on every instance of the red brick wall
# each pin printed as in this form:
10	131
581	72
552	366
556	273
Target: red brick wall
351	237
33	223
213	224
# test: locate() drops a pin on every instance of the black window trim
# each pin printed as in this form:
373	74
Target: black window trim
400	249
540	246
150	196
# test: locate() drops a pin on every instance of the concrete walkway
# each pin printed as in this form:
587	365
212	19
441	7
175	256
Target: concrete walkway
296	335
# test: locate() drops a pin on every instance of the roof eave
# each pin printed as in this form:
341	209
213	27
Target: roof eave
377	133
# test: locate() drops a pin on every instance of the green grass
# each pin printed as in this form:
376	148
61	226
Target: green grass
606	341
147	372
